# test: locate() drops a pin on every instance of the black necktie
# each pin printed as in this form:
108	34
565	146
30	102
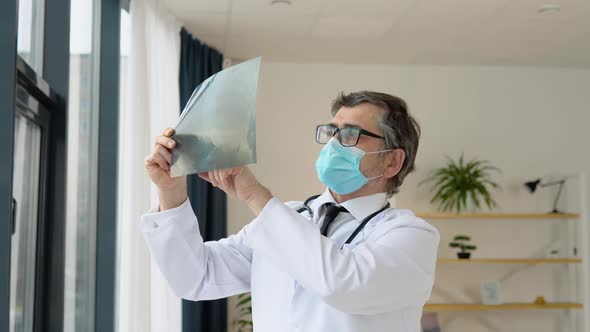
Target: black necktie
331	214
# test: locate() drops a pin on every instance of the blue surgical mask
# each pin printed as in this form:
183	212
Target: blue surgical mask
338	167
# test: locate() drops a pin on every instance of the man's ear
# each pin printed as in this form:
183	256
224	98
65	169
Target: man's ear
393	163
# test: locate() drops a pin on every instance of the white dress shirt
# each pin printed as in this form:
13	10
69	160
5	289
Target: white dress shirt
299	279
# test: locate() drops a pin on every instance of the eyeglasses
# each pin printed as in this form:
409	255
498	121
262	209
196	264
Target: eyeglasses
348	136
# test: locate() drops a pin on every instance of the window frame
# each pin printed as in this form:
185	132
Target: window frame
41	115
108	142
56	25
9	28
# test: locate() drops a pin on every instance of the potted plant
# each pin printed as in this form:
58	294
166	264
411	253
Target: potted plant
461	184
461	241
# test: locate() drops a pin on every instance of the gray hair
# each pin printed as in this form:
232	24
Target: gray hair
400	129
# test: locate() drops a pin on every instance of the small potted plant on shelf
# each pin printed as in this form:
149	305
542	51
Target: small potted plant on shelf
462	242
463	185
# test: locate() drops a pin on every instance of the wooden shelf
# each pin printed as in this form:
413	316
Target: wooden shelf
437	307
428	216
510	261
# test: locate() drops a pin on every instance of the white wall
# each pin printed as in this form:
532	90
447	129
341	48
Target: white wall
527	121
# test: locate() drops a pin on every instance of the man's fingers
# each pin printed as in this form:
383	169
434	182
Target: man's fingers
225	175
204	176
164	152
148	161
212	178
218	178
221	177
221	174
156	158
165	141
162	161
168	132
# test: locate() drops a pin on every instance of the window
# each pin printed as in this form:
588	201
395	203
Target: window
82	169
27	154
30	32
123	70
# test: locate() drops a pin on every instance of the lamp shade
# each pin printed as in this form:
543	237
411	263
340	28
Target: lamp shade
532	185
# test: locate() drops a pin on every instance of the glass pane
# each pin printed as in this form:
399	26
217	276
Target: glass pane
30	32
122	297
27	154
82	171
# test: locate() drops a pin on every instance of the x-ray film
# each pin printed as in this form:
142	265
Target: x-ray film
217	128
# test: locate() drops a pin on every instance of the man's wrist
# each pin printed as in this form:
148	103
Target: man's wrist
258	200
170	199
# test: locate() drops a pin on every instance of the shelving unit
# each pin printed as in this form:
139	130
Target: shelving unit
438	307
568	290
429	216
510	261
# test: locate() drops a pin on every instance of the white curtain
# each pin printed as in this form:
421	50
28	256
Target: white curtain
144	301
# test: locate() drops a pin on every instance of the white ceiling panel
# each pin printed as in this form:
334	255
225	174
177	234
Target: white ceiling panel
545	29
283	26
351	28
472	32
528	9
195	6
264	7
366	8
457	8
206	24
442	28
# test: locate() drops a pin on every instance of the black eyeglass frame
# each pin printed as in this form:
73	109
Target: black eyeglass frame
337	130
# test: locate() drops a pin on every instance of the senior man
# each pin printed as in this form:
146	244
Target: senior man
341	261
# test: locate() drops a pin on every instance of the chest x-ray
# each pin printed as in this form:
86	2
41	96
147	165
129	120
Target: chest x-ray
217	128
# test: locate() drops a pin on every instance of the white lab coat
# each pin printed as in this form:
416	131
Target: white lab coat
299	279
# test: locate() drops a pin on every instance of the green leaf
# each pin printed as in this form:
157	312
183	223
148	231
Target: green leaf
244	301
464	199
475	200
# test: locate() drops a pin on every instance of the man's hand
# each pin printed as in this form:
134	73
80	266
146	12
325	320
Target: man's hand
172	191
240	183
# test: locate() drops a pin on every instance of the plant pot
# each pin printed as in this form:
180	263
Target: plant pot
463	255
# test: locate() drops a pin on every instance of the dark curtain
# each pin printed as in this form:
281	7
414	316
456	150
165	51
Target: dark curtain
197	62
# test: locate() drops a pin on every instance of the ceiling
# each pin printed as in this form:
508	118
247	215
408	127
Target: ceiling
464	32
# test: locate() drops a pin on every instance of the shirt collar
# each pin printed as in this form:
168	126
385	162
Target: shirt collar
359	208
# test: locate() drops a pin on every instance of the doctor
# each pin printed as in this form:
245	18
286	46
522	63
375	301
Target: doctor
343	261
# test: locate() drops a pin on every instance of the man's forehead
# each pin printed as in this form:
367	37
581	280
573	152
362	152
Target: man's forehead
364	115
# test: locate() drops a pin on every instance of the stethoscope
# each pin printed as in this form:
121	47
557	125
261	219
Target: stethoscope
359	228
